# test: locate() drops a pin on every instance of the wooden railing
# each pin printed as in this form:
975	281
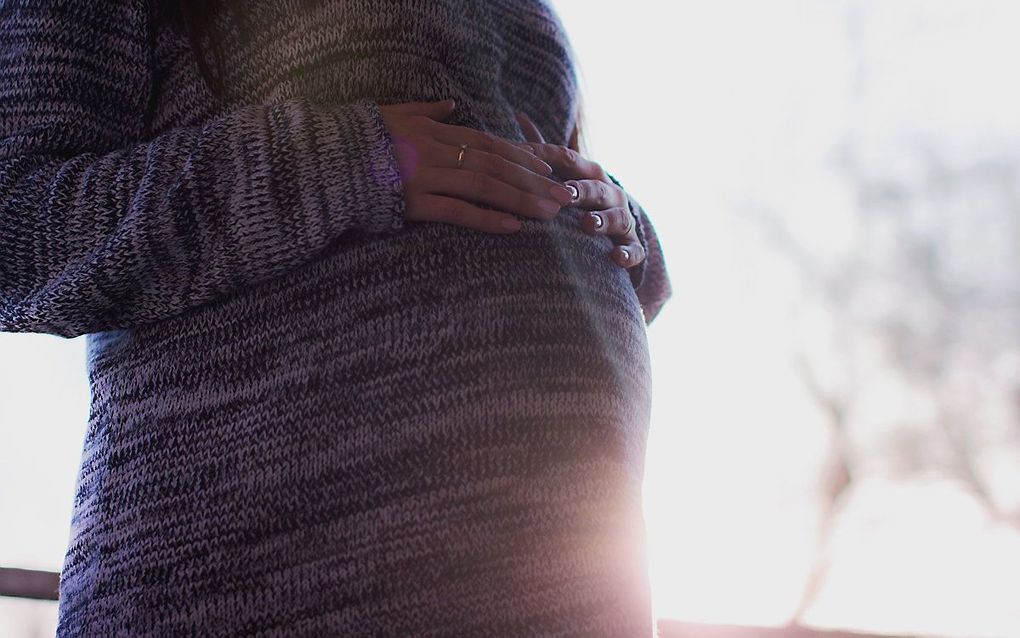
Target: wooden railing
677	629
43	585
29	583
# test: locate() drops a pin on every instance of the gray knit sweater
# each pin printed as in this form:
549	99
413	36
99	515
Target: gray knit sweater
309	415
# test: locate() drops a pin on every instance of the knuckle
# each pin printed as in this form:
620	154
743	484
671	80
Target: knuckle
611	223
485	142
571	157
626	222
493	164
614	223
601	194
479	183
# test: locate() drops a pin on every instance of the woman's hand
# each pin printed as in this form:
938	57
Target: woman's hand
610	209
495	172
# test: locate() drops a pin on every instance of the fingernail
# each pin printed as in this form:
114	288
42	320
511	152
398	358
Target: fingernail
625	254
561	194
574	192
548	206
598	220
545	167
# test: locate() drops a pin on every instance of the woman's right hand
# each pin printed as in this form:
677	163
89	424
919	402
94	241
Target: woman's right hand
495	172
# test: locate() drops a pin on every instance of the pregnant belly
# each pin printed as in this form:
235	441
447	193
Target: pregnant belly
435	411
543	310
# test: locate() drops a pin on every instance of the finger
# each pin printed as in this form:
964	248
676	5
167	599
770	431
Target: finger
450	210
531	132
434	110
479	140
628	255
617	222
573	141
594	194
480	188
502	169
568	163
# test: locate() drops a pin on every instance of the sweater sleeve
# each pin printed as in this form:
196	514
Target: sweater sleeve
650	277
102	229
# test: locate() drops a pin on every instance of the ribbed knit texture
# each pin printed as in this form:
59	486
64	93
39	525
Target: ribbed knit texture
309	416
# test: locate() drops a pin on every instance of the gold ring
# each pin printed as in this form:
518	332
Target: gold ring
460	158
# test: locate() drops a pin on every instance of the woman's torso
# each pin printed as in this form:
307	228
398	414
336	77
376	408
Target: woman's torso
432	432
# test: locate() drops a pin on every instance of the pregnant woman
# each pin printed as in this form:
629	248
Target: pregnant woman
333	394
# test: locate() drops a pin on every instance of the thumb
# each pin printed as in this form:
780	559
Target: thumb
531	132
435	110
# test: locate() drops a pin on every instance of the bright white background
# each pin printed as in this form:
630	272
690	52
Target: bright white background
795	155
735	122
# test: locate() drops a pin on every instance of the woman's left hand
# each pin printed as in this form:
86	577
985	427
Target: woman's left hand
608	203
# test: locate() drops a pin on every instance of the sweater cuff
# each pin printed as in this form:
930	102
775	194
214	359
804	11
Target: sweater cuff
360	177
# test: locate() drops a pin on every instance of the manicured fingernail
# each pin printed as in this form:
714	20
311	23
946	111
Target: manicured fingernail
545	167
625	254
548	206
574	192
561	194
598	220
511	223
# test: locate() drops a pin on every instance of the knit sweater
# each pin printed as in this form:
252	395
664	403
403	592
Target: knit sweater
311	416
